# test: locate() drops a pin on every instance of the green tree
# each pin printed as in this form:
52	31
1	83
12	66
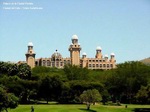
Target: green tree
24	71
143	95
12	83
8	68
13	69
74	72
78	86
29	90
66	95
39	72
105	96
51	87
7	100
126	80
90	97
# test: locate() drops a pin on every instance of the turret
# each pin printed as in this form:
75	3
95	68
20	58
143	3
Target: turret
84	60
84	55
106	58
112	57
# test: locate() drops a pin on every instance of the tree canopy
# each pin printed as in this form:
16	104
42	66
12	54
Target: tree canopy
7	100
90	97
128	83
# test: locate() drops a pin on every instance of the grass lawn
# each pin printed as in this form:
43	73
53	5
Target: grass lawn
76	108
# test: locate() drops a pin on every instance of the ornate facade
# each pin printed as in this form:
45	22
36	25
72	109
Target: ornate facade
56	60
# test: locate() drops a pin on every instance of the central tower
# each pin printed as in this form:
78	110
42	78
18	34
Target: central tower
30	55
74	49
99	52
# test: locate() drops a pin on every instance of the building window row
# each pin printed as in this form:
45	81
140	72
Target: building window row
101	65
66	60
52	63
96	60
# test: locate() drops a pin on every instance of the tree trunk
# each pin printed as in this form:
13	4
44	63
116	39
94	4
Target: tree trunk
88	106
47	100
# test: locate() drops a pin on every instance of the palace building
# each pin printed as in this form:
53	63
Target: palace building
56	59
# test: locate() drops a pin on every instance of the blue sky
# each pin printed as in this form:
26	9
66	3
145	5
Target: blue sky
119	26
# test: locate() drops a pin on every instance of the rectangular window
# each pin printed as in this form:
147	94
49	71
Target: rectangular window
111	65
48	63
100	65
61	64
107	65
44	63
57	64
68	61
104	65
53	64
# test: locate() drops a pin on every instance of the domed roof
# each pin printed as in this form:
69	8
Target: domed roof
30	44
106	56
98	48
112	54
56	55
74	37
84	53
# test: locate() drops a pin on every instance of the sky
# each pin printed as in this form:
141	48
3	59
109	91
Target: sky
119	26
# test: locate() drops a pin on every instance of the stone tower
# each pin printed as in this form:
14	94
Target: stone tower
98	52
75	51
112	60
84	60
30	55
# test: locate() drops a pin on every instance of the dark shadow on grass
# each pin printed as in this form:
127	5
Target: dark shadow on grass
87	110
141	110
